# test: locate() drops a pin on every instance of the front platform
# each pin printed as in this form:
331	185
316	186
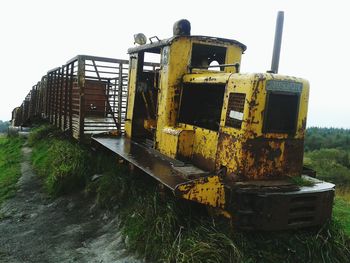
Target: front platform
263	205
158	166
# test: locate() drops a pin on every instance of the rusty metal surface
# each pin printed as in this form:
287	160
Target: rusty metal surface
154	165
207	190
271	158
277	210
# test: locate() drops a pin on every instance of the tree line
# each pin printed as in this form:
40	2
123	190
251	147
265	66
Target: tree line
327	151
3	126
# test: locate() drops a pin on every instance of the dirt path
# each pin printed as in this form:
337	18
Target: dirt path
35	228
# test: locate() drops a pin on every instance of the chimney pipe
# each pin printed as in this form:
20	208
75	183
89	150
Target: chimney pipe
277	42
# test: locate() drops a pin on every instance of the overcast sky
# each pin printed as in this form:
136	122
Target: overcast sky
39	35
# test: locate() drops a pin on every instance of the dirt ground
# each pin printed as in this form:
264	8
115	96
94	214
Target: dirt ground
35	228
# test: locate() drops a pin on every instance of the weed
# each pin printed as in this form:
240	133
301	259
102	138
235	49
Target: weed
300	181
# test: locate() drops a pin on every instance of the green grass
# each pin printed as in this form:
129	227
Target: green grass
160	228
10	170
62	163
166	231
300	181
343	192
341	211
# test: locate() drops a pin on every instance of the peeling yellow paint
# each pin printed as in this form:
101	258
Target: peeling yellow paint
207	190
244	152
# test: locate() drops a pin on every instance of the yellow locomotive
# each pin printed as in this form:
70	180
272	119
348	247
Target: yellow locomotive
213	135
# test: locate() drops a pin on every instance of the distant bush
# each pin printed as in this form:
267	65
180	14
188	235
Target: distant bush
4	126
330	164
318	138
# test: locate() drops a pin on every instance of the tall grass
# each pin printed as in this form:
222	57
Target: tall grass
161	232
42	133
161	228
63	163
343	192
10	171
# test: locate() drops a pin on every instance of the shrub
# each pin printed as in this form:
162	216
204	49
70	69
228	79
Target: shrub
330	165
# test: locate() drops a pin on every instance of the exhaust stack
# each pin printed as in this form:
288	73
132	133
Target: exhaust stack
277	42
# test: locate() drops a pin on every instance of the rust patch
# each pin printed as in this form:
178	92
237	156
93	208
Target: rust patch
302	129
253	104
271	158
209	79
229	156
205	190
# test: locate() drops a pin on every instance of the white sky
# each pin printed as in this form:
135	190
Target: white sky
39	35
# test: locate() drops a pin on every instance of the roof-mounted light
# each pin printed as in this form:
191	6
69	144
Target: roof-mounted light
140	39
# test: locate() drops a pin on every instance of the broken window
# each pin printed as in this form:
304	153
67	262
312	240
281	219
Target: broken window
146	94
201	105
205	55
281	113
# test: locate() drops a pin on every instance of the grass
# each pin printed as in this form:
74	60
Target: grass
341	211
160	228
343	192
62	163
166	232
341	208
10	171
300	181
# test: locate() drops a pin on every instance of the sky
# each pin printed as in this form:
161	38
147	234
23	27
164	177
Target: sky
38	35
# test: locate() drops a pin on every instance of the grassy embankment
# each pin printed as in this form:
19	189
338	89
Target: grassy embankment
10	170
62	163
162	229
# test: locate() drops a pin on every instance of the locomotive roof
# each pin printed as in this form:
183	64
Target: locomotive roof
156	46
